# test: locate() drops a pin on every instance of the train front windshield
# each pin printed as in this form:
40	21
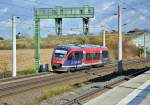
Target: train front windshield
60	54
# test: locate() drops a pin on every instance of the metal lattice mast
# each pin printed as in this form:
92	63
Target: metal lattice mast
37	44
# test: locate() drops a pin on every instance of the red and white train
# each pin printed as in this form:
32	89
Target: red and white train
73	57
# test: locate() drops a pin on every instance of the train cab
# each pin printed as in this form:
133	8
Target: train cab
58	56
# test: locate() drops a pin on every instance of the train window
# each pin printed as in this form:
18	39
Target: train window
105	54
92	56
71	56
62	48
76	55
100	55
89	56
96	56
60	53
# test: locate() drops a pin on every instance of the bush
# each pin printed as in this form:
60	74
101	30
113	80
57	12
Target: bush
1	38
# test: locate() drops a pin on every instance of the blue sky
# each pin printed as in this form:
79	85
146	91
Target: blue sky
136	15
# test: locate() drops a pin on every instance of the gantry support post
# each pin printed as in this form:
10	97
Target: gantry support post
58	29
85	26
37	44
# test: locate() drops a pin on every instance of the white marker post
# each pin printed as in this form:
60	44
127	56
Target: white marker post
14	45
104	38
119	40
145	46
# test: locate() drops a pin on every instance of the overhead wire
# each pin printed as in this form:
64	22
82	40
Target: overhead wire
135	9
137	12
37	2
12	4
23	15
18	6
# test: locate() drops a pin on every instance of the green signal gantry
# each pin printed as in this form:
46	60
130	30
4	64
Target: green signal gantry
58	13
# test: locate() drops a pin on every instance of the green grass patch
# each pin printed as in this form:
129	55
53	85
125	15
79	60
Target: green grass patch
26	72
58	90
6	74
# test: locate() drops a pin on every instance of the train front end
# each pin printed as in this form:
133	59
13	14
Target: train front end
58	58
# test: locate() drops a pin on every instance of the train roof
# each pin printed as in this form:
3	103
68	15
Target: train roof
81	46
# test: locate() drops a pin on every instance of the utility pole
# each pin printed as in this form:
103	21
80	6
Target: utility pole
14	45
120	68
104	37
144	46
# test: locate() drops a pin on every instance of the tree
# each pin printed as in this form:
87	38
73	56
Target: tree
1	38
23	36
18	36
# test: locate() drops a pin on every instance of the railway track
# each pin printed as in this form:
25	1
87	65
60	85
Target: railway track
53	80
23	77
17	85
79	100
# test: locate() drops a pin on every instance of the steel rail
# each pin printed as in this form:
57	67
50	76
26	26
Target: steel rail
23	84
22	77
52	81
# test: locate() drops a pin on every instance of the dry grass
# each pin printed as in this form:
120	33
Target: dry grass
25	53
25	58
52	92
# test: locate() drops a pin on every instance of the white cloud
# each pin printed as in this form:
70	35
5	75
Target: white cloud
25	25
139	19
4	10
129	20
107	5
33	0
105	22
131	12
5	24
20	25
72	32
108	19
104	7
47	23
27	3
93	19
142	18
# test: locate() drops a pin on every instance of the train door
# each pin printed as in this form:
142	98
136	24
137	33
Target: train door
105	56
74	59
101	56
78	57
